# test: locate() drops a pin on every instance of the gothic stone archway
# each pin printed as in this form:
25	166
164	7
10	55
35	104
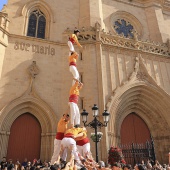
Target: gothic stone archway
145	100
43	114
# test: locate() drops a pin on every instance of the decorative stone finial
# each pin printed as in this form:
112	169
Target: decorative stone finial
97	26
4	9
135	35
168	44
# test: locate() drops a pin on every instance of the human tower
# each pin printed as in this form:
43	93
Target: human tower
71	137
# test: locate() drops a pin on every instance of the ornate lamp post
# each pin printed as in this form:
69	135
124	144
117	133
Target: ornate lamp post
96	123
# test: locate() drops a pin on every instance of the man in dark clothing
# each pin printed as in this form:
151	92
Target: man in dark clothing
24	164
3	163
10	165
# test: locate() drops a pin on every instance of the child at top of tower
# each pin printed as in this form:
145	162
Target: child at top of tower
73	39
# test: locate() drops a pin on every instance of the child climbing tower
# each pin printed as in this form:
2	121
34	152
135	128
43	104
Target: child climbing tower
73	66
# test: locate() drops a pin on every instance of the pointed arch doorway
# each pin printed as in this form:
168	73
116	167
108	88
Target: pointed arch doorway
24	138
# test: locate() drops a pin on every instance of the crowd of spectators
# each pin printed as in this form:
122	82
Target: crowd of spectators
26	165
87	163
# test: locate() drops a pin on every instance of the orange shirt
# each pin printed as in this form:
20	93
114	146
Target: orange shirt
73	58
73	38
74	90
62	125
81	138
74	131
80	141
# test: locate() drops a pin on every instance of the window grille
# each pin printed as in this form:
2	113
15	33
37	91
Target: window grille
36	24
123	27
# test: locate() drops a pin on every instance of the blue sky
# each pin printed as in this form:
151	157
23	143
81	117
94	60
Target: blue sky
2	2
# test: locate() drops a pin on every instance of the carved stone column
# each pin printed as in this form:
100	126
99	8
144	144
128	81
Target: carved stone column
153	24
4	23
4	136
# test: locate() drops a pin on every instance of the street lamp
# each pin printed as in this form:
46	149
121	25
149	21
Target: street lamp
95	123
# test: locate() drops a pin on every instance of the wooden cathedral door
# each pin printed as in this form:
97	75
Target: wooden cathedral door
25	138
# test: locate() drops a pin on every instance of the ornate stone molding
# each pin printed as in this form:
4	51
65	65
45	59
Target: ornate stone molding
166	6
109	41
135	44
143	3
87	34
4	21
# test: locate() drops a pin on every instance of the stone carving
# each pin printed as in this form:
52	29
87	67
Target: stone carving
136	68
97	26
4	9
141	76
86	37
33	70
135	35
86	34
135	44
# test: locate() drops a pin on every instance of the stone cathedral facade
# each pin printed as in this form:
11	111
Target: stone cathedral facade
124	65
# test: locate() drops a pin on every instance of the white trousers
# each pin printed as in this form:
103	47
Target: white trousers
57	147
71	47
70	143
74	72
74	114
84	150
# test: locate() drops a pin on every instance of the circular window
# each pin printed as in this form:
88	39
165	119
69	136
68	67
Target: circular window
121	26
125	23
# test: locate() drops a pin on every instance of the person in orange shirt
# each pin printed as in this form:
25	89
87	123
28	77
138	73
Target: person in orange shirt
73	39
83	144
69	141
73	66
73	100
61	128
